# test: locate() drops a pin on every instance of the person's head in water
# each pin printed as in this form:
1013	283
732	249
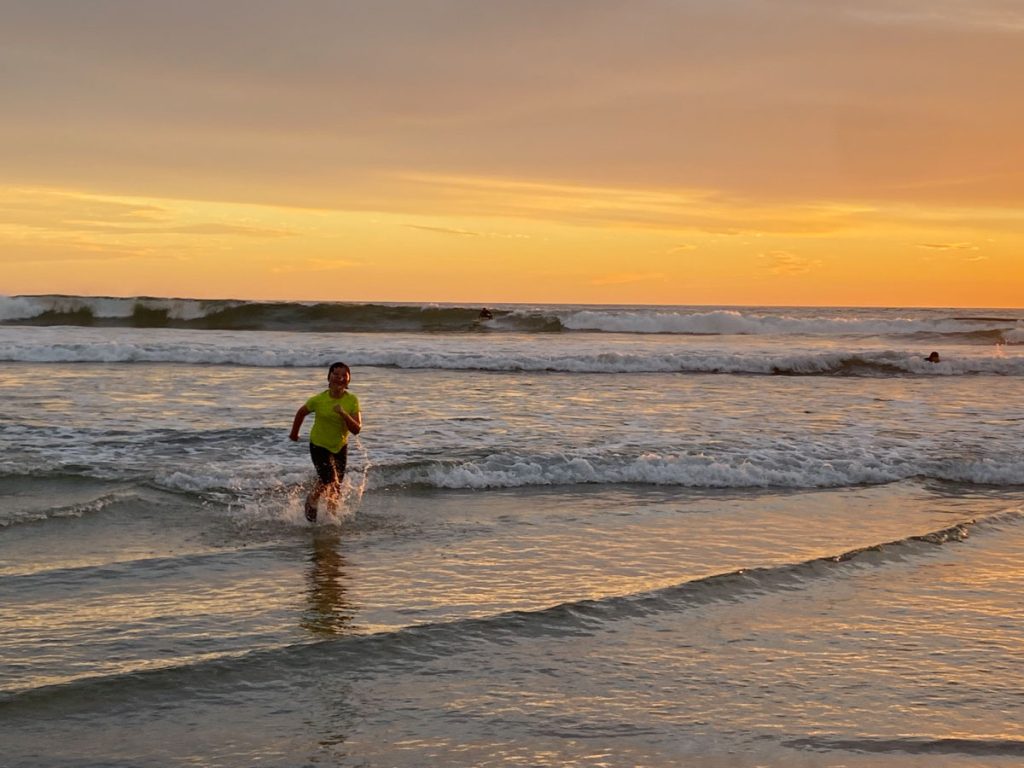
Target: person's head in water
933	357
339	375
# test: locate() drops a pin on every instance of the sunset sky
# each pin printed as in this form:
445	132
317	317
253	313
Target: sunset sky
816	152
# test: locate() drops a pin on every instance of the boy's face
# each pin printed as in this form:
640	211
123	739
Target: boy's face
339	377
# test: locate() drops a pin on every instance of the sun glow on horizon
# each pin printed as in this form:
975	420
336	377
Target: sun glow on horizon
528	242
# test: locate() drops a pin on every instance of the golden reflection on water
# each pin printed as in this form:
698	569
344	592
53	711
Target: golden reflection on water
330	610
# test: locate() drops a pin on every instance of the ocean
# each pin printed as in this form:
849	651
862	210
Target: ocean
570	536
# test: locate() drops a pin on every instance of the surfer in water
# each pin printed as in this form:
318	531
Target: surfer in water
934	358
337	415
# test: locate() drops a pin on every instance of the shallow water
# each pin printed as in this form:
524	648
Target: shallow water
536	628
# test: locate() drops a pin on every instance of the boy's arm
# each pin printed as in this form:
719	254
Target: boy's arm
300	416
354	421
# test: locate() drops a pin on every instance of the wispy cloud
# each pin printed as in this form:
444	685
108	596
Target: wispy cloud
240	230
201	230
469	233
58	212
624	278
956	14
73	248
313	266
959	251
684	209
949	246
786	263
444	230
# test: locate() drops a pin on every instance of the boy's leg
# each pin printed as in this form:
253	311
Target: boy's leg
324	467
338	461
312	499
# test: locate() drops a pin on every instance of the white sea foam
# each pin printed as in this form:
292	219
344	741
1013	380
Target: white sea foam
18	308
232	478
463	431
31	515
27	307
582	354
727	322
765	471
763	468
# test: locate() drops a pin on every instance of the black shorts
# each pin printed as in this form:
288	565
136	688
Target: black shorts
330	467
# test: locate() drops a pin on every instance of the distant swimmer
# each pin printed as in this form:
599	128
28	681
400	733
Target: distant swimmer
337	415
485	314
933	358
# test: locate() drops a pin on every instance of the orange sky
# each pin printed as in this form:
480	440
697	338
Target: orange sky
651	151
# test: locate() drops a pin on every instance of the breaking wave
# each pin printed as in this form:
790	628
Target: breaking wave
810	467
333	317
582	355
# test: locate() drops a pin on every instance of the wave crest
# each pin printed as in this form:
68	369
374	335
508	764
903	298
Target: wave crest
333	317
765	470
580	355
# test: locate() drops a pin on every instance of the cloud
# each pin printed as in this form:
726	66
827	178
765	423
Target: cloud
692	209
623	278
238	230
70	252
468	233
997	16
949	246
314	266
786	263
53	208
952	251
208	229
781	101
80	214
444	230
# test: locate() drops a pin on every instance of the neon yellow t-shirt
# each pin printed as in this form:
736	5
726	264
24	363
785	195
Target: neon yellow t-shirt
329	429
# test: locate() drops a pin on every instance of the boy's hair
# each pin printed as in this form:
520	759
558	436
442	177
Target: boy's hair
338	365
